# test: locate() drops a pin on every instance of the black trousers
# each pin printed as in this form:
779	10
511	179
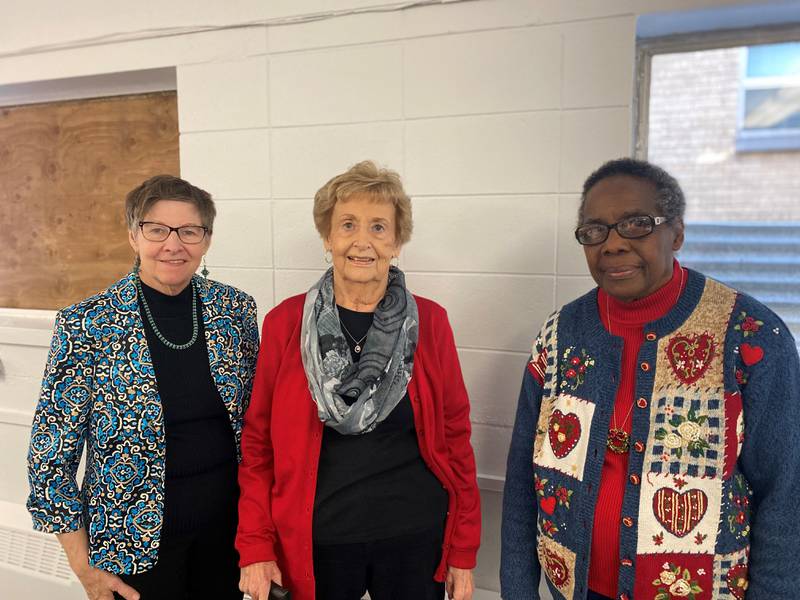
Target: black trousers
398	568
197	566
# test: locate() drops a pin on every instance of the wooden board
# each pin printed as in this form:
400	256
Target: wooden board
65	169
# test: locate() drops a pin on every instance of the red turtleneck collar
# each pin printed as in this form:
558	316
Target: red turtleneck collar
636	313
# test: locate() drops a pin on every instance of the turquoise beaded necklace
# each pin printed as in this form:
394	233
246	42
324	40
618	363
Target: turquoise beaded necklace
152	321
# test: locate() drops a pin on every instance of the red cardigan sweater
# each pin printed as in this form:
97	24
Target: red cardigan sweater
282	436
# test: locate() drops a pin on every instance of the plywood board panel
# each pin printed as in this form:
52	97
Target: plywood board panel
65	169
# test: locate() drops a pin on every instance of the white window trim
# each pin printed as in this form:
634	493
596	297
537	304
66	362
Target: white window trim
763	140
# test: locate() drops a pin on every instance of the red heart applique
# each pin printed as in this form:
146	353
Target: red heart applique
737	581
564	432
690	355
751	354
548	504
678	512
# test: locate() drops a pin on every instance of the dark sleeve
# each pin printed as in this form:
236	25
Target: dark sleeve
770	460
519	564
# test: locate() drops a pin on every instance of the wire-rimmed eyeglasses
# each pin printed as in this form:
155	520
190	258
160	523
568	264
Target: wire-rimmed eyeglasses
158	232
637	226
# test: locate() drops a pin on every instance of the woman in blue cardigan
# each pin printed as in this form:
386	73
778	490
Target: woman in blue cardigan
153	375
656	448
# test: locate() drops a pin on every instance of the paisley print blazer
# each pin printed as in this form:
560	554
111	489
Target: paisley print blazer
100	389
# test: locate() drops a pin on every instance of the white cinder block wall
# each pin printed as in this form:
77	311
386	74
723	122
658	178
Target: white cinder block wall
492	111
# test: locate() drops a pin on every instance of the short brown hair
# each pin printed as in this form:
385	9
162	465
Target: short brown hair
167	187
364	178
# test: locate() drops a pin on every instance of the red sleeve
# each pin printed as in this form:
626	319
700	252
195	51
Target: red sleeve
466	536
255	536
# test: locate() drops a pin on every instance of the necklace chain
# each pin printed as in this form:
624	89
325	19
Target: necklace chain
358	346
159	335
618	440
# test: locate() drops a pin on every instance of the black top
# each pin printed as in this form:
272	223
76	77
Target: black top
200	488
376	485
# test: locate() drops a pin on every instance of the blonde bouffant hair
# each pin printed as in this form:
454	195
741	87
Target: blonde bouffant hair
382	185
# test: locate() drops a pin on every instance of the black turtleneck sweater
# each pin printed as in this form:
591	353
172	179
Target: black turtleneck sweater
201	490
375	485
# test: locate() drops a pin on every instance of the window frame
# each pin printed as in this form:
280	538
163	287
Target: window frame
646	48
763	140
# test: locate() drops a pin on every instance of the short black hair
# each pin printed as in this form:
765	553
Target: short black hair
669	194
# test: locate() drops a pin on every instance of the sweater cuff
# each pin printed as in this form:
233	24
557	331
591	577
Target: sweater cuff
462	559
262	552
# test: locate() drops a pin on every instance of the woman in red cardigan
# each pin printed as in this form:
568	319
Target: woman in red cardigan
357	471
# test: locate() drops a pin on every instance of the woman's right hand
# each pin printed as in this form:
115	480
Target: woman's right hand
256	579
101	585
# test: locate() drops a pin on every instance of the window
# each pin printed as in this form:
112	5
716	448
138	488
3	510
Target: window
769	105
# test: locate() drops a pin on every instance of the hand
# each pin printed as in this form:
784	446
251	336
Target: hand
256	579
459	584
101	585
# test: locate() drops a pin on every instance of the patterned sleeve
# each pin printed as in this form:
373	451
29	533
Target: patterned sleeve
59	430
519	564
768	374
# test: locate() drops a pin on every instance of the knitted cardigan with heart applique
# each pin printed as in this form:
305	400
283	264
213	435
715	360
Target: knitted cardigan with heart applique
710	506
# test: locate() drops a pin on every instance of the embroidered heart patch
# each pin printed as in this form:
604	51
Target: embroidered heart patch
548	504
751	354
690	355
564	432
678	512
737	581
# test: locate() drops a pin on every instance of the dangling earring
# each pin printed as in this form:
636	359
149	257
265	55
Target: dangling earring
328	256
204	272
136	264
395	261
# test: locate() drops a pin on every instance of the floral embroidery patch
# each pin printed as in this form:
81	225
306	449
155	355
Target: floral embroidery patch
738	508
688	431
573	368
676	582
551	497
747	325
691	355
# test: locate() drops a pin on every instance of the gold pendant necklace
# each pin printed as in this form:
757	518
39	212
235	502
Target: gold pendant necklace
618	440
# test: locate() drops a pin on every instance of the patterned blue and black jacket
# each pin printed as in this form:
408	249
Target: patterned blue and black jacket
710	508
100	390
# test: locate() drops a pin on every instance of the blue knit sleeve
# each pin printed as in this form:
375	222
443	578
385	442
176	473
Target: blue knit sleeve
770	460
519	564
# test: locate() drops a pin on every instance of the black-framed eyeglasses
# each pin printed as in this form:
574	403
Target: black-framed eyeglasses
158	232
631	228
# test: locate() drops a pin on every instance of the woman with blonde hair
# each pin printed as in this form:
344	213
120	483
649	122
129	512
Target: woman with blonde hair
357	473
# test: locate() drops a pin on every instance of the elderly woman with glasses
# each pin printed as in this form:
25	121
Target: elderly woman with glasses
153	375
357	472
656	448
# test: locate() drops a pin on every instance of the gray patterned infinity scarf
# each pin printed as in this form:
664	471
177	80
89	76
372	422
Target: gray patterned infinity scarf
378	381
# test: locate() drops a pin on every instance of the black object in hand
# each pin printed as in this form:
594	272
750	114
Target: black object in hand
277	592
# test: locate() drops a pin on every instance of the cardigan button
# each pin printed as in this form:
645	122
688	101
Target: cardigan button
627	521
634	479
650	337
645	366
626	562
623	597
638	446
641	403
